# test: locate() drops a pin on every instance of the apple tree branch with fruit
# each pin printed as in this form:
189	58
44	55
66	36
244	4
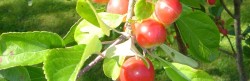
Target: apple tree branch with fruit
131	39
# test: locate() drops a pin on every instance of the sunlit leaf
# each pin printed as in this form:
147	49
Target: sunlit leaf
111	66
86	10
124	49
26	48
85	31
65	63
178	57
143	9
172	72
200	34
69	37
111	20
193	74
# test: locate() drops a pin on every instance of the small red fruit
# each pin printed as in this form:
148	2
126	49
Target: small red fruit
224	32
134	69
150	33
167	11
211	2
101	1
219	27
118	6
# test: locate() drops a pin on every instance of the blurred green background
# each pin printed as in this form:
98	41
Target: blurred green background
47	15
59	15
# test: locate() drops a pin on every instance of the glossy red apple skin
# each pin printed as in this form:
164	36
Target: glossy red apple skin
167	11
150	33
211	2
134	69
118	6
101	1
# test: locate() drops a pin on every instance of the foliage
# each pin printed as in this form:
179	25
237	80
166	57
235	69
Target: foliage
48	56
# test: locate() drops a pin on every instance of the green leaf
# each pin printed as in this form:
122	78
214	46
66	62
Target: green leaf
92	47
172	72
246	51
246	31
111	66
64	64
69	37
23	59
36	73
86	10
216	10
229	26
2	78
193	74
186	10
143	9
247	41
29	48
112	20
60	64
192	3
178	57
85	31
119	50
200	34
15	74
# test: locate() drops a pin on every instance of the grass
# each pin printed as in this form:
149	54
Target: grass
58	16
224	68
54	15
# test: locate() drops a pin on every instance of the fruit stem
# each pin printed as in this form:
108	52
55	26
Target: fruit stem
181	45
231	45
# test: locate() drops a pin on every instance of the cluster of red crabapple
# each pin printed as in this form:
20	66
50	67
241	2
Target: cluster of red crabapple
150	32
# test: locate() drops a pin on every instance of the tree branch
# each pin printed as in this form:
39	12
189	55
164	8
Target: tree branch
181	46
237	29
227	10
129	16
108	42
99	57
121	38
